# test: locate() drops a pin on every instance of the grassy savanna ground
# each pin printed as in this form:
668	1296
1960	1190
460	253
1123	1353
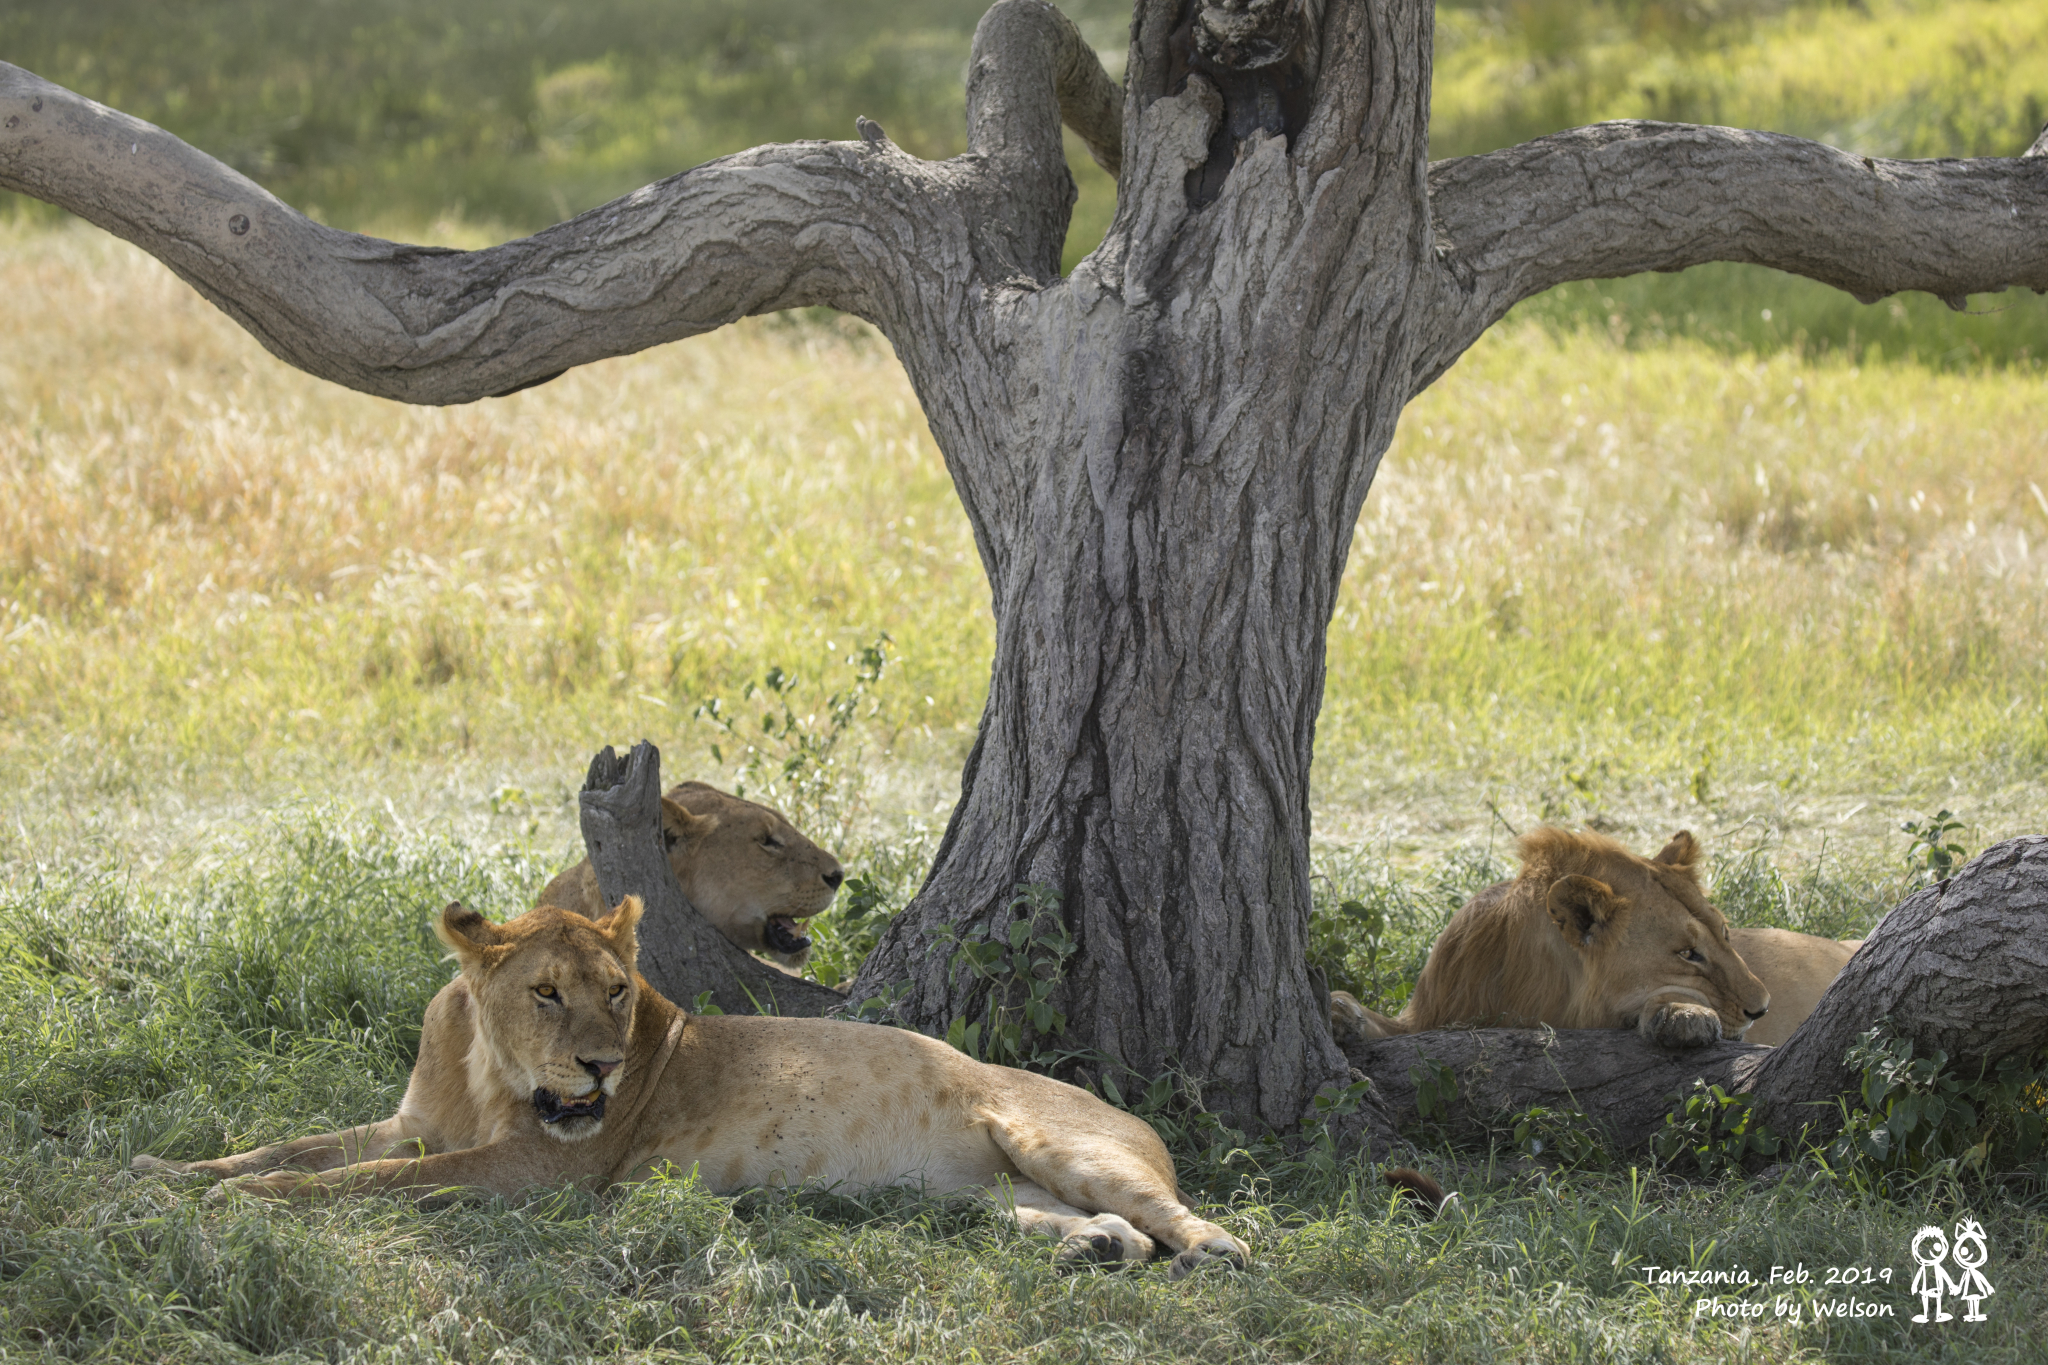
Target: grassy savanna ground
283	668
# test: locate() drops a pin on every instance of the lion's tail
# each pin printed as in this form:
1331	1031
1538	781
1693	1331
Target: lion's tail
1418	1187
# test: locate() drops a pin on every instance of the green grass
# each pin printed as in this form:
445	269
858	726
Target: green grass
275	992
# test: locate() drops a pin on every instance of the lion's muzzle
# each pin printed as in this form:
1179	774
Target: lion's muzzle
553	1109
781	934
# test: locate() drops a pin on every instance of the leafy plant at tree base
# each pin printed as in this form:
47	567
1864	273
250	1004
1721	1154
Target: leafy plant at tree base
1713	1131
1931	855
1436	1086
1913	1117
1024	969
1566	1136
1354	933
792	760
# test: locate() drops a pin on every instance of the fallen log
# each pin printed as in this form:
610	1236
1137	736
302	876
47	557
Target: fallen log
681	954
1961	966
1623	1084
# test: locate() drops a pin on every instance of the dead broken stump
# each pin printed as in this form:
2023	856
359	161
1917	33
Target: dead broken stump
681	954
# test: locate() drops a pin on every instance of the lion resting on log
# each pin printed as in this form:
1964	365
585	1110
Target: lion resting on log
1591	936
549	1059
1588	936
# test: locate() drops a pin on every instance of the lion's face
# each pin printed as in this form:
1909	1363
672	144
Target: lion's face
747	869
1648	937
554	997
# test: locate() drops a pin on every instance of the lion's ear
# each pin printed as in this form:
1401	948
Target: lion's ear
622	927
466	933
1581	907
680	829
1682	852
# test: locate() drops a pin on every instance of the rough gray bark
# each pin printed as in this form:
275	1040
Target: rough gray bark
1961	967
681	954
1162	456
1612	1076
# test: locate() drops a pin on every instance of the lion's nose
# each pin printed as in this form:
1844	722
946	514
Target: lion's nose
598	1069
1758	1014
834	877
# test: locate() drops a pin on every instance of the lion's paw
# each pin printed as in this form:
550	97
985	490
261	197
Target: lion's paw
276	1185
1682	1024
1103	1240
1223	1250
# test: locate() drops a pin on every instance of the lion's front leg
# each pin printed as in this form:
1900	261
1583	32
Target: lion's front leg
322	1152
1678	1023
495	1168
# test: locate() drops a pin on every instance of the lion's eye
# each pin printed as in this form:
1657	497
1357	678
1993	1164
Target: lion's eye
618	991
544	992
770	841
1692	955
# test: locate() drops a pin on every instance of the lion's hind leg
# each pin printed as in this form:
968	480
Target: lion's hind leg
1089	1156
1084	1238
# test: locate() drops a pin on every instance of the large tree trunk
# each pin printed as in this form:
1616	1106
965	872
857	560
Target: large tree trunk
1164	487
1162	456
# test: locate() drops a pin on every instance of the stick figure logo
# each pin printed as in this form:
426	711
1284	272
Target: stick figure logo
1971	1253
1932	1281
1930	1249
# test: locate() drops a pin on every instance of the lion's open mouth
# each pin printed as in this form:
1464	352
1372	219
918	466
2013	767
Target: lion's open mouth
552	1108
783	936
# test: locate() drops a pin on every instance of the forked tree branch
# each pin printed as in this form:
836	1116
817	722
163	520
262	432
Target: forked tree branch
1014	110
858	226
1619	198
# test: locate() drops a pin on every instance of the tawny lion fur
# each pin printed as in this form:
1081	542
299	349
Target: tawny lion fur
1589	935
550	1060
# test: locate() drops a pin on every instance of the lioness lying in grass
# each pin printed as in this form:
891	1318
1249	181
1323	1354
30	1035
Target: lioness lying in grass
549	1059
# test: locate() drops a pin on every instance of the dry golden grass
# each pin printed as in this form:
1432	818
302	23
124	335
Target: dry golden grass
1640	587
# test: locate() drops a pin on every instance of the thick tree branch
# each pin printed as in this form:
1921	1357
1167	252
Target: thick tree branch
1618	198
778	227
1031	71
1612	1076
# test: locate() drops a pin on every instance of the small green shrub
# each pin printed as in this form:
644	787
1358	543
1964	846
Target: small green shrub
1565	1135
1932	856
1712	1132
1024	968
1914	1116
